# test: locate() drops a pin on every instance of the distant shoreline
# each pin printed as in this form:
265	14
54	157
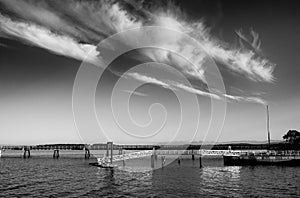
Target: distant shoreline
102	146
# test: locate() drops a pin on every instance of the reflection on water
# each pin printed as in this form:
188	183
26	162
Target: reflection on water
69	177
188	179
221	173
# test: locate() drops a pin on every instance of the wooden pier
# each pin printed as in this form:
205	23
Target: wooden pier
192	150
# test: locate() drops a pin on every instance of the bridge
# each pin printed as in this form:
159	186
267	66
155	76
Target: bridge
163	150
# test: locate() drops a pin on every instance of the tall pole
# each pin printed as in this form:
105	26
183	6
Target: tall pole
268	125
111	152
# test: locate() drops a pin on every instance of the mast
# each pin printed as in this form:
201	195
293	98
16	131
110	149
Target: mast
268	125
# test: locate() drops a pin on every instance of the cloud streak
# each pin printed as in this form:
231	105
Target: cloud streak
148	79
197	91
183	87
135	93
41	37
245	99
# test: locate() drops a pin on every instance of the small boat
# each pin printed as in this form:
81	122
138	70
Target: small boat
251	159
271	157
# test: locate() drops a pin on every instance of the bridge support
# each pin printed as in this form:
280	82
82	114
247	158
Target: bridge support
163	161
152	161
26	151
56	153
200	161
124	164
193	156
87	153
109	149
153	157
122	153
154	153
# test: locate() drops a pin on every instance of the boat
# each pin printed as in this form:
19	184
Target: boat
274	158
270	157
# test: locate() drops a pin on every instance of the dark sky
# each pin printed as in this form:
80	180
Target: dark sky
36	83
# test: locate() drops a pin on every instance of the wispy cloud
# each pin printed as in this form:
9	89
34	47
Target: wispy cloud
137	93
246	99
58	44
254	44
172	85
105	18
187	88
148	79
73	29
197	91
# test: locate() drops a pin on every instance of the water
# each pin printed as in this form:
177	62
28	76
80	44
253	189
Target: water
71	176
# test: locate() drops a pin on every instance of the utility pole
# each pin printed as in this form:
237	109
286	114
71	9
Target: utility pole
268	126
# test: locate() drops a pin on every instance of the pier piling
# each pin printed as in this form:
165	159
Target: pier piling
163	161
87	153
152	161
109	149
200	161
56	153
26	153
123	153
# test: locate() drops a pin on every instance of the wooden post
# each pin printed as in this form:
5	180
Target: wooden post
154	153
56	153
107	149
111	152
123	157
178	160
193	156
152	161
87	153
26	150
200	161
163	160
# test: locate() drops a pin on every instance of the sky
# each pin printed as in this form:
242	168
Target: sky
190	71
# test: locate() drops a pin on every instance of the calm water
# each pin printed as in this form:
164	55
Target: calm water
73	177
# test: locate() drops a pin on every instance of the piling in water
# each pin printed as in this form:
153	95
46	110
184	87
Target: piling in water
26	153
200	162
152	161
87	153
56	154
163	161
123	153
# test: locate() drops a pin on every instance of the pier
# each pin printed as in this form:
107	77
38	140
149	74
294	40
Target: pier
156	150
